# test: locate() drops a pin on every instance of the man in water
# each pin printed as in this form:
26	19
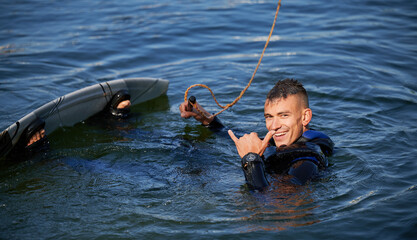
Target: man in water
289	147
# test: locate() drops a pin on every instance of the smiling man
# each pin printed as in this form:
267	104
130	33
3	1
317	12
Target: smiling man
287	116
289	147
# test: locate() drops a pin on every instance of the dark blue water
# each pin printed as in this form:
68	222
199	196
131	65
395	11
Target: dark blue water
156	175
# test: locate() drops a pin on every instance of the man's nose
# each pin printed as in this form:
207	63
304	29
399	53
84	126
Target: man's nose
276	124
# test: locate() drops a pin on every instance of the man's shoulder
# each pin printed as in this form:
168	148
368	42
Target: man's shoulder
314	134
319	138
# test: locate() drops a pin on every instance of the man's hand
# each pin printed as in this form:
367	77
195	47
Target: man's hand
187	112
251	143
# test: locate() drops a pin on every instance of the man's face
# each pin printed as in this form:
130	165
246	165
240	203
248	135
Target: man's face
289	117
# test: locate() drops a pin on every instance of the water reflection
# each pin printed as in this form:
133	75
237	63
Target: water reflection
283	205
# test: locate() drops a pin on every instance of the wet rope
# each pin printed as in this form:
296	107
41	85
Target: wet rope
247	86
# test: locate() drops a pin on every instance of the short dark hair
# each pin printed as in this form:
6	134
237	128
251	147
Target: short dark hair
286	87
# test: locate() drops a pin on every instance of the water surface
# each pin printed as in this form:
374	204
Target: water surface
156	175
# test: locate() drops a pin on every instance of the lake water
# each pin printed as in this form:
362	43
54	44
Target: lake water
155	175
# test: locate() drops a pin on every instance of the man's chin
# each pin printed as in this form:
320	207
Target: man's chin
280	143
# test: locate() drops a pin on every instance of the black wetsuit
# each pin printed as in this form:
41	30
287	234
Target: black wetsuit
302	160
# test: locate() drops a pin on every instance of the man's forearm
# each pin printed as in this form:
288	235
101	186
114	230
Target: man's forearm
253	168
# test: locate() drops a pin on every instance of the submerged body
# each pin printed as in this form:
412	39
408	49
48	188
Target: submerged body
302	160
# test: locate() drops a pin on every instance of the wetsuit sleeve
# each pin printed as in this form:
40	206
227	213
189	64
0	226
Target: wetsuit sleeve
253	168
216	125
252	164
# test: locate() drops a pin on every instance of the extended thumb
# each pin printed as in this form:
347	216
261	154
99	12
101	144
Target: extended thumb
265	142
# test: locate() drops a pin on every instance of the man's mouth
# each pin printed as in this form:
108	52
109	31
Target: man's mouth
279	134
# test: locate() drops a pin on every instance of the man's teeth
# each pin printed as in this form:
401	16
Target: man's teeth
279	134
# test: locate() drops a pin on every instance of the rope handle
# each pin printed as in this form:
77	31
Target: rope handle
224	108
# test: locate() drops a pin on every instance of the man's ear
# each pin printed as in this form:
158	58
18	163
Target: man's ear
307	115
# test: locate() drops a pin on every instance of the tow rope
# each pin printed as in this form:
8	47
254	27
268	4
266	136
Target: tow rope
224	108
